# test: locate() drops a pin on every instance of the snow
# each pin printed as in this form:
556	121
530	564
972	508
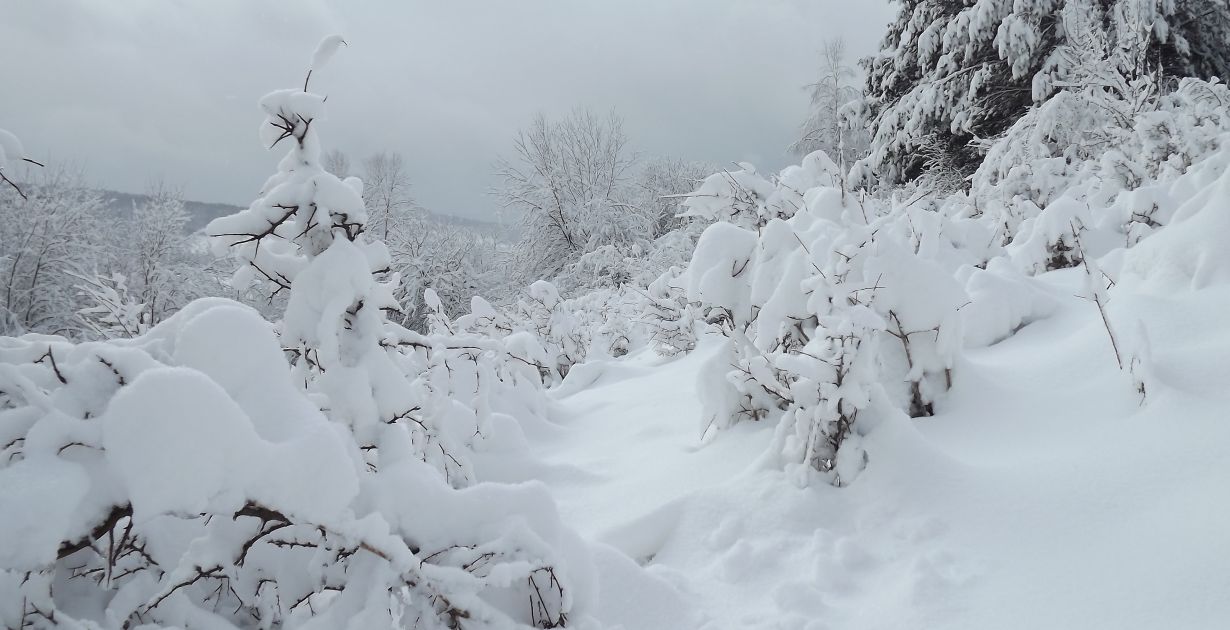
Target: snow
325	51
999	407
633	431
234	347
1041	494
1183	256
179	444
51	490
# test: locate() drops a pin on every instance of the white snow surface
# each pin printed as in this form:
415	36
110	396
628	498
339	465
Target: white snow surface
1042	494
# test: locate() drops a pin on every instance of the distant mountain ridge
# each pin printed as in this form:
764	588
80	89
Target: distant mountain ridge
202	212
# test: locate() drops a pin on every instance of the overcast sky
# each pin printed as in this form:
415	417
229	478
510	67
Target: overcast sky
144	89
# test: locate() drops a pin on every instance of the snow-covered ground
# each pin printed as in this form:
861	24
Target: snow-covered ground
1041	495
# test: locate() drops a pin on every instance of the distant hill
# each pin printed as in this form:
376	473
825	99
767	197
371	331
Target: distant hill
202	212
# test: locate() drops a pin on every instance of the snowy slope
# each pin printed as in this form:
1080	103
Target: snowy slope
1041	495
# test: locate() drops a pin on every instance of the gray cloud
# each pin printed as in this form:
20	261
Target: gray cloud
142	89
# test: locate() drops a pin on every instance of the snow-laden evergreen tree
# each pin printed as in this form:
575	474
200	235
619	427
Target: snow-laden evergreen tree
951	74
1105	131
189	477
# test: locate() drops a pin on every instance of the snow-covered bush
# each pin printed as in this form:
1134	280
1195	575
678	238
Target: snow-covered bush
601	324
1055	168
845	303
671	319
145	474
190	478
115	310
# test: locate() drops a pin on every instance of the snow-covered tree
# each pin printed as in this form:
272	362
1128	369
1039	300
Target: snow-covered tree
826	127
951	73
387	192
659	186
167	273
51	229
431	254
143	270
567	183
189	478
338	163
594	216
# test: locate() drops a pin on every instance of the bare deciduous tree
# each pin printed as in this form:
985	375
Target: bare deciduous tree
387	191
51	229
567	183
337	163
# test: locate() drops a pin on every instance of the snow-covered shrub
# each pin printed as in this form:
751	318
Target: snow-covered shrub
144	474
1002	300
1054	170
570	331
115	310
846	302
821	429
748	199
554	333
672	320
836	310
189	477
